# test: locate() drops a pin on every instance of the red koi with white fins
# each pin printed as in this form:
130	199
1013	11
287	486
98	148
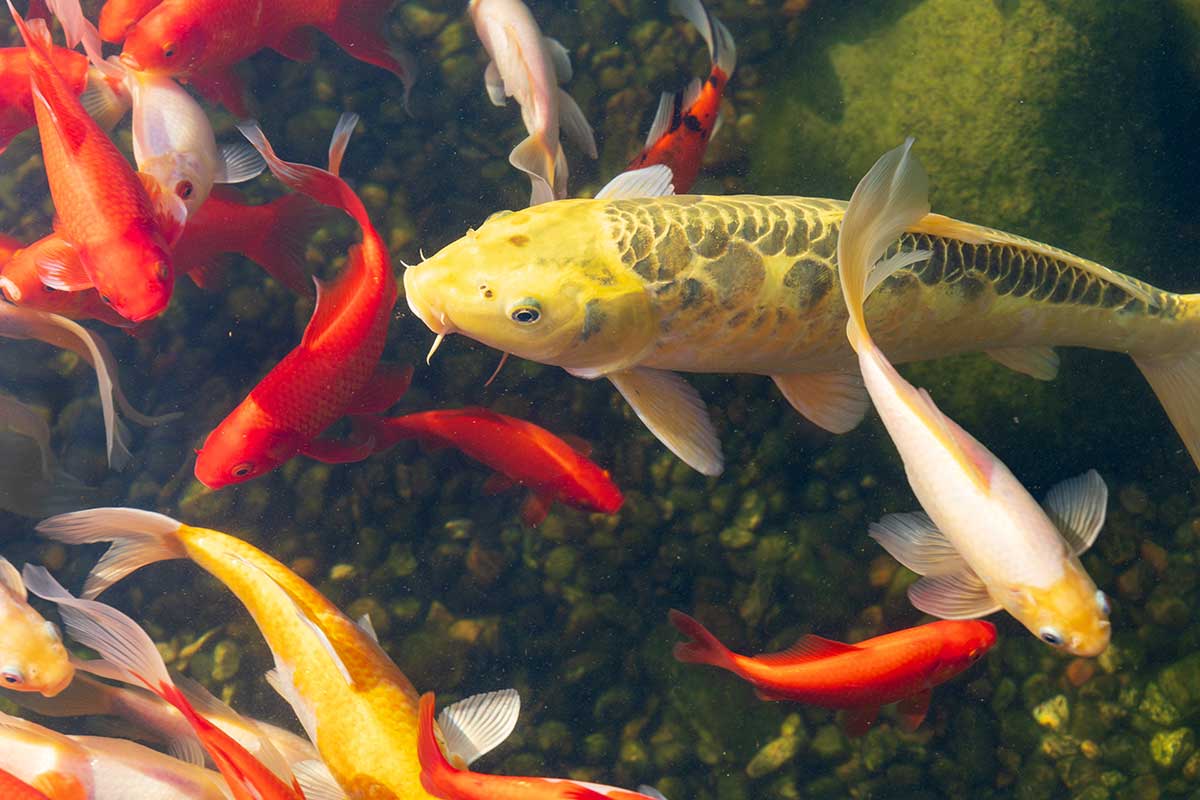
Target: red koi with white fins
903	666
687	119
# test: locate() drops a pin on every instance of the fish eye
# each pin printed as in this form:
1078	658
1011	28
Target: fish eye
1102	602
525	312
184	189
242	470
1051	637
12	676
168	50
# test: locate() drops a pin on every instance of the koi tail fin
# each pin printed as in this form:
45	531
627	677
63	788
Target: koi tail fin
704	648
139	538
891	197
721	48
435	767
1176	380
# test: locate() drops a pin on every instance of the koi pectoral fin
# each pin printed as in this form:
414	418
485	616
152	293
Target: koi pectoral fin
913	710
674	412
959	595
1040	363
835	401
1077	507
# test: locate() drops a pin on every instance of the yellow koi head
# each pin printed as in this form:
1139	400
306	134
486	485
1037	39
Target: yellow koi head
544	283
1070	614
32	655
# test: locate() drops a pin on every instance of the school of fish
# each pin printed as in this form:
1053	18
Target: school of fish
638	284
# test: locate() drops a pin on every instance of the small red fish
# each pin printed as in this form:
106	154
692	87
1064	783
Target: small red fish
686	120
335	370
442	779
21	284
103	208
902	666
521	452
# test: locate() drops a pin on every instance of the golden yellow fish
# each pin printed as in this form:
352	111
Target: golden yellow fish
636	288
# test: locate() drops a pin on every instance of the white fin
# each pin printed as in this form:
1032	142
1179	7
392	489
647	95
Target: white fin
100	101
651	792
531	158
77	28
835	401
673	411
721	49
691	93
364	622
915	542
1176	381
575	125
10	579
117	638
1077	506
330	650
188	750
652	181
1036	362
316	781
340	139
668	107
494	85
476	726
560	57
139	538
280	679
960	595
238	162
887	267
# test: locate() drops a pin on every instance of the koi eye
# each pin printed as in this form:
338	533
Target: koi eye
168	50
1051	637
1102	602
184	189
11	676
242	470
526	312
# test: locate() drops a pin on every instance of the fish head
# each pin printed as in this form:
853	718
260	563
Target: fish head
544	284
166	43
180	174
1070	614
141	288
244	446
118	17
32	655
963	643
591	488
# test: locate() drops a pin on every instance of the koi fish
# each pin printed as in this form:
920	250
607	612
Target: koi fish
32	656
103	209
21	284
98	768
687	119
23	323
521	453
444	780
122	643
899	667
353	702
283	415
985	543
186	38
529	67
637	288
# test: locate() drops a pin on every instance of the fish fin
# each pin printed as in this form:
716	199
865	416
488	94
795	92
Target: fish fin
653	181
691	93
535	508
560	57
958	595
887	267
810	647
10	579
913	710
498	483
530	157
387	385
914	541
1036	362
76	27
721	49
893	195
339	451
857	721
1077	507
170	212
575	125
835	401
578	444
211	276
238	162
101	103
364	624
188	750
139	538
651	792
473	727
357	30
317	781
494	85
280	679
669	109
673	411
1176	381
703	647
117	638
298	44
60	786
281	251
224	87
339	140
59	267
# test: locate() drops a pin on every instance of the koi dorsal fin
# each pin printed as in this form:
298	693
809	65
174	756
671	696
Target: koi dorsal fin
810	648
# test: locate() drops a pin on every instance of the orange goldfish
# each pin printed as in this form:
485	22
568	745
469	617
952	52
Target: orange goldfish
21	283
32	656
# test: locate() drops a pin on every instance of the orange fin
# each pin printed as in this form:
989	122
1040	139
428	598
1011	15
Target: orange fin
913	710
535	509
339	451
59	267
209	276
809	648
387	385
59	786
857	721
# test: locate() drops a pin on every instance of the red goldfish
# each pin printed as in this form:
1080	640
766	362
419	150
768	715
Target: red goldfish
520	451
903	667
21	284
686	120
335	370
126	646
103	209
442	779
183	38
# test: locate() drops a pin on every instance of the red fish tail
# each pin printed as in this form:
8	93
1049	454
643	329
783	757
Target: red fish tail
356	29
435	768
704	648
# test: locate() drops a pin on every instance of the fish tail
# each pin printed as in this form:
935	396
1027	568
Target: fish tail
891	197
138	538
704	648
721	48
533	158
435	767
1175	379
